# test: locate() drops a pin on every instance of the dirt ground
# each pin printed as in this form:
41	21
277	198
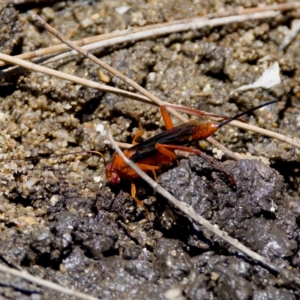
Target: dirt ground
57	224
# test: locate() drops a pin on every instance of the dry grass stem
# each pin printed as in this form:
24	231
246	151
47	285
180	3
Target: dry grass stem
292	141
72	78
63	47
194	24
45	283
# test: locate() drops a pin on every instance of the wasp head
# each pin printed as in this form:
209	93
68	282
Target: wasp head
111	174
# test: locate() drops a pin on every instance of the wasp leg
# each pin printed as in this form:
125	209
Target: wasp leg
139	202
137	135
168	151
164	149
166	117
154	175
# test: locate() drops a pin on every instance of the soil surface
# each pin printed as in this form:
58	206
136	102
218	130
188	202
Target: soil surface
55	221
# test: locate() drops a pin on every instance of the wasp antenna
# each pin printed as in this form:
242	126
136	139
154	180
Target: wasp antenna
245	112
98	153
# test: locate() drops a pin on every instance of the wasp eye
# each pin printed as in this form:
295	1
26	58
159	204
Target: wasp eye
114	179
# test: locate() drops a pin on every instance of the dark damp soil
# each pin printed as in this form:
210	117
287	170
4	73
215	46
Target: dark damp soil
57	223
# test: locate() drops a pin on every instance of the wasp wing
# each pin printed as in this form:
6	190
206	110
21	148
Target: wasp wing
178	135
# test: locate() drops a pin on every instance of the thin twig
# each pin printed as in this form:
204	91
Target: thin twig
194	24
63	47
154	31
292	141
152	28
189	212
45	283
89	83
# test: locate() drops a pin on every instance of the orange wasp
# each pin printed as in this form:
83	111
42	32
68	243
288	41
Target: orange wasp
157	152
